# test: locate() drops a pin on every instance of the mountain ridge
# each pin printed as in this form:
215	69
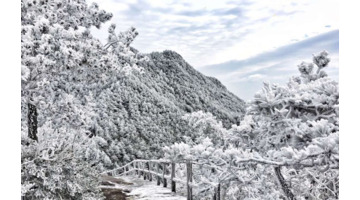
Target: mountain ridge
173	61
145	110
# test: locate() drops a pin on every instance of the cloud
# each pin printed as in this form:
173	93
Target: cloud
256	76
208	32
245	77
241	42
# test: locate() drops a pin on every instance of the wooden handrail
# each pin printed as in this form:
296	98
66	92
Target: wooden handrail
143	168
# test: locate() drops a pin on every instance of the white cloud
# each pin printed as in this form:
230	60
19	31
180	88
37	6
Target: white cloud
250	78
256	76
208	32
245	77
249	33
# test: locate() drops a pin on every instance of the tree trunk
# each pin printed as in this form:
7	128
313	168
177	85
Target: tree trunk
289	195
32	122
217	193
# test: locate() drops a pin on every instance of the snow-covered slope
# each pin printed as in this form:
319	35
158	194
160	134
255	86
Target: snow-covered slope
191	90
140	113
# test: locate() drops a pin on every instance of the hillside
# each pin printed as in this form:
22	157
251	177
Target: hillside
190	90
143	112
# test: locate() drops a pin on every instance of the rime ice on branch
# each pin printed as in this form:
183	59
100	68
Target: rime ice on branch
287	146
63	69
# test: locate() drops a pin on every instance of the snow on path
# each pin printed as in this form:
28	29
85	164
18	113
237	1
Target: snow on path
146	190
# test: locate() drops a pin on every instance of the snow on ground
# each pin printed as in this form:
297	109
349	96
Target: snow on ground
145	190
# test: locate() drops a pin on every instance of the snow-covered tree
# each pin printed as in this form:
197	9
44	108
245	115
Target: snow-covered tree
298	124
62	69
285	147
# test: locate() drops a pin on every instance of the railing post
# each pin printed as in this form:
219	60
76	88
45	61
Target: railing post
163	175
132	167
189	179
158	172
149	169
173	184
144	174
139	166
136	168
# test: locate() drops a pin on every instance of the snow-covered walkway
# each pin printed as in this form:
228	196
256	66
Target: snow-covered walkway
139	189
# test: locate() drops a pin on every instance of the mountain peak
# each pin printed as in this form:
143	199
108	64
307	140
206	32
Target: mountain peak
189	89
171	55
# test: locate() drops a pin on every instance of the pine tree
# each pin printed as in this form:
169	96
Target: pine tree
287	145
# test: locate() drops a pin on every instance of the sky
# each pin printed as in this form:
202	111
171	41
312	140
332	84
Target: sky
240	42
245	77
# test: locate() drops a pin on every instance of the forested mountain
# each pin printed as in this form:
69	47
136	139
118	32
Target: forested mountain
190	90
141	112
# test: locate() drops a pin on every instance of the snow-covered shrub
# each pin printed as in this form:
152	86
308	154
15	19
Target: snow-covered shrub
205	126
61	165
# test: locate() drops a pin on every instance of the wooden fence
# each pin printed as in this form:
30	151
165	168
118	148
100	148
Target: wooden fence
158	169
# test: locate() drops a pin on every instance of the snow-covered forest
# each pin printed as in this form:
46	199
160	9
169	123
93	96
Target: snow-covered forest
87	107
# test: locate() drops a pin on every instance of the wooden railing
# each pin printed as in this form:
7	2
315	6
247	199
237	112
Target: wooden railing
159	169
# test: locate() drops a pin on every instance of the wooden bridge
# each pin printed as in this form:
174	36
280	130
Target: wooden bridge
161	171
